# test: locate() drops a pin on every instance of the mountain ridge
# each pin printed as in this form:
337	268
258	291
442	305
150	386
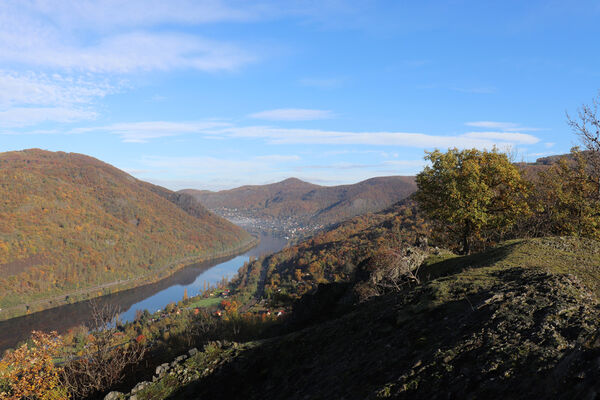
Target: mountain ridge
293	204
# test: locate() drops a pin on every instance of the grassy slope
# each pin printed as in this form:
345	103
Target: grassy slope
517	321
69	222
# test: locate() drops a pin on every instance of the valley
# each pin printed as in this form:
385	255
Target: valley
297	209
191	279
299	200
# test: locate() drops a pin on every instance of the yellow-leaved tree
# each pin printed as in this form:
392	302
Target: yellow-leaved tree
476	195
29	372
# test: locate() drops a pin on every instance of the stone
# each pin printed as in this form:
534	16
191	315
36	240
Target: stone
139	386
113	396
193	352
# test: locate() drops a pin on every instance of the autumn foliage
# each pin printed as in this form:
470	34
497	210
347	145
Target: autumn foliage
30	371
69	222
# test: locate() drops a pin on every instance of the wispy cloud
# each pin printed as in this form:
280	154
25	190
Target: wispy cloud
144	131
402	139
514	137
141	132
28	99
293	114
126	53
18	117
116	37
504	126
103	14
44	89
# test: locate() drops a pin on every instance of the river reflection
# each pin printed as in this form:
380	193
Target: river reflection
150	297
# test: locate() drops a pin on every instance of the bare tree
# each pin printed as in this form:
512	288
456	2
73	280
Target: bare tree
105	356
391	270
587	128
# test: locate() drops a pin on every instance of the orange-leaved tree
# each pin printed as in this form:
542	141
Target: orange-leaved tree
30	371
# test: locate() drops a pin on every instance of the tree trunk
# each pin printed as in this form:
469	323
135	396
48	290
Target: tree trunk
465	240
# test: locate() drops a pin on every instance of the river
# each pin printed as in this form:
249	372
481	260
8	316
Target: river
149	297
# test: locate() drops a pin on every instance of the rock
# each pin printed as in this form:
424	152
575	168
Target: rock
139	386
133	397
162	368
193	352
113	396
181	358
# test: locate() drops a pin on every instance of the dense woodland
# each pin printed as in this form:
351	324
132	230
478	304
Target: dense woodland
70	222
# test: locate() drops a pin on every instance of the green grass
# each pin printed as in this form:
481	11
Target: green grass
208	302
449	277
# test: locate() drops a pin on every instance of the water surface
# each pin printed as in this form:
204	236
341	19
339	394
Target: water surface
149	297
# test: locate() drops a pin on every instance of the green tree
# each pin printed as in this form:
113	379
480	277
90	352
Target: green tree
476	195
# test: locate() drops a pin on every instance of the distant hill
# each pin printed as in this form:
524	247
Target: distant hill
293	204
73	227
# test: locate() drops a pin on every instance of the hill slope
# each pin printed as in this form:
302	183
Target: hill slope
517	321
293	204
69	223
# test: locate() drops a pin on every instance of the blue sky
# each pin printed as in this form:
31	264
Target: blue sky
216	94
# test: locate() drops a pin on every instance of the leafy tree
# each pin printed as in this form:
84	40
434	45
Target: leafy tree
477	195
568	197
29	372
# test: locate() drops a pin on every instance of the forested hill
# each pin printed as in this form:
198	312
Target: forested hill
293	203
69	222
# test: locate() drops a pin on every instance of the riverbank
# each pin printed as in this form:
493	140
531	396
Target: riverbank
109	288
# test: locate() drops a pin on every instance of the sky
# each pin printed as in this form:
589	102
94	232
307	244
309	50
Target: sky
215	94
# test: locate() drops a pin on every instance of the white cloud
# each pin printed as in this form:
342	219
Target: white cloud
28	99
116	37
18	117
402	139
141	132
125	53
43	89
503	126
549	144
144	131
513	137
103	14
292	114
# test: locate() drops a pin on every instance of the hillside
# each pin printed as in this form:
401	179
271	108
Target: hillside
73	227
517	321
292	206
